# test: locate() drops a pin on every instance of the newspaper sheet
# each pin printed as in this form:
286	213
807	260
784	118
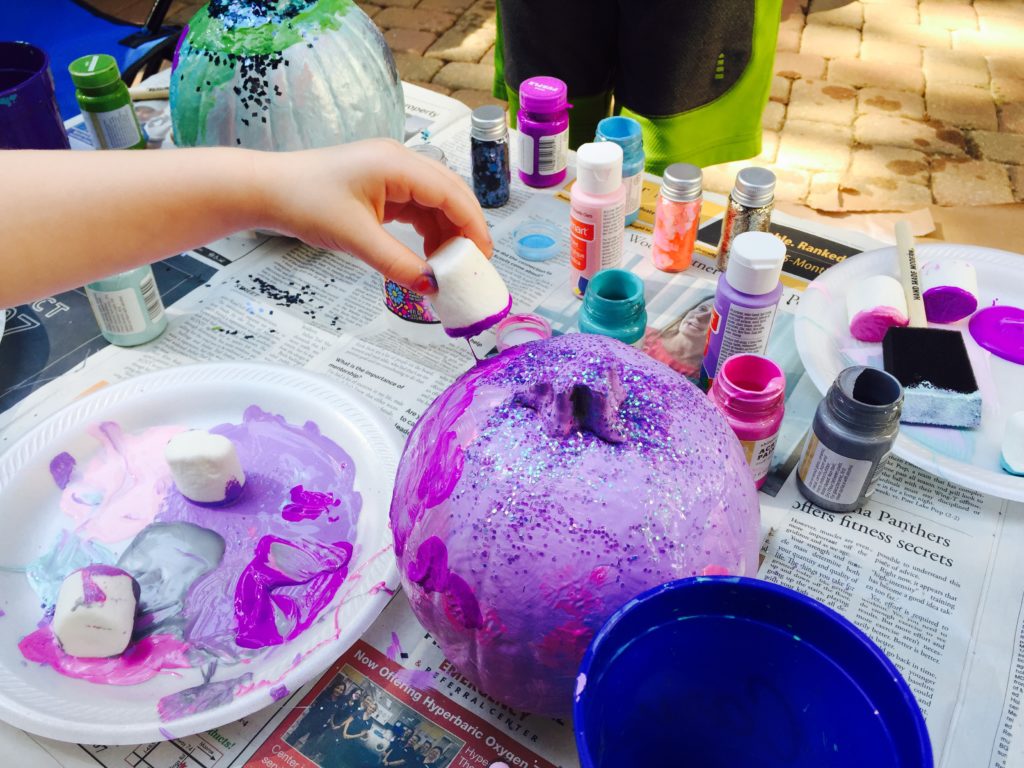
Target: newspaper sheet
926	568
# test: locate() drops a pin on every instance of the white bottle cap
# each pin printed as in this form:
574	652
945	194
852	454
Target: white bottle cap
599	167
755	262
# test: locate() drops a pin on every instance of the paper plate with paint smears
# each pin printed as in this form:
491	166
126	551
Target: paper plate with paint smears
968	457
239	605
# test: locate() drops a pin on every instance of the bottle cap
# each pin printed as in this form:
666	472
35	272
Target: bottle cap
543	94
520	329
755	263
94	71
681	183
489	123
432	152
624	131
599	167
755	187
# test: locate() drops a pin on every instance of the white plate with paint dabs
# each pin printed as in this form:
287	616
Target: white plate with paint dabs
967	457
298	577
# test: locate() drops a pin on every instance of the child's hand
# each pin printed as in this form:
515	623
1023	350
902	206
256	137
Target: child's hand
338	197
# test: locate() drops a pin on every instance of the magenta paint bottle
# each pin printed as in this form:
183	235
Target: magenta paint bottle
745	303
750	391
543	122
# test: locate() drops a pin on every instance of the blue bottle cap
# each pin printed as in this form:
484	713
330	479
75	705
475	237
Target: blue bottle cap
537	240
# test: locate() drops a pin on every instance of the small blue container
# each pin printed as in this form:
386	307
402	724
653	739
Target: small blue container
731	671
614	306
537	240
626	132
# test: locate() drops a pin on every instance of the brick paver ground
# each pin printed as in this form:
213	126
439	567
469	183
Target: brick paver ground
876	104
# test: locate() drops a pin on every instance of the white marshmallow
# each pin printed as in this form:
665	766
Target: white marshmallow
873	305
471	296
95	612
1012	458
205	467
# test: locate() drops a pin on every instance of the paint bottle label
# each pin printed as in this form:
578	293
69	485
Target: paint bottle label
591	249
759	455
116	129
737	331
634	185
120	312
552	153
839	479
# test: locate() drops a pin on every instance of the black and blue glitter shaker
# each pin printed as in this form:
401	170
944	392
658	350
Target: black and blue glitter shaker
492	169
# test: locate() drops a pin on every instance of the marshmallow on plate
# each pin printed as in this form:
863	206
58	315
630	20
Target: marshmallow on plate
471	296
1012	455
949	289
205	467
95	612
874	305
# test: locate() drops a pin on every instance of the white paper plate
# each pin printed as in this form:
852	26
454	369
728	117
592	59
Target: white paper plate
38	699
969	457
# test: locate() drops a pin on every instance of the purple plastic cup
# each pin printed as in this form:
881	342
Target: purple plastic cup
29	117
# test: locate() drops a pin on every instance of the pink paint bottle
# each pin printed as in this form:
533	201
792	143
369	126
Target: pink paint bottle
597	228
750	391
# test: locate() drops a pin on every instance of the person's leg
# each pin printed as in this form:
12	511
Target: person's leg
574	41
696	75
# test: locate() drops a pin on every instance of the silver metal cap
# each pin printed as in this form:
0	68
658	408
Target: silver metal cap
681	183
755	187
489	123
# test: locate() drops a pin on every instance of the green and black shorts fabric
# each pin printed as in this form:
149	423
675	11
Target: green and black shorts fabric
696	74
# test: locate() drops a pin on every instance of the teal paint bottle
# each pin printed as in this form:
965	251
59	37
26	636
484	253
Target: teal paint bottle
614	306
626	132
127	307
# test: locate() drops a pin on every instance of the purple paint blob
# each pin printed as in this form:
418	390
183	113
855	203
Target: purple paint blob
61	467
480	325
200	698
141	661
1000	330
284	588
547	487
948	303
308	505
420	679
278	693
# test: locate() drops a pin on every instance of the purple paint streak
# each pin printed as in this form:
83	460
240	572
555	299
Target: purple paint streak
1000	330
278	693
287	582
419	679
308	505
395	649
480	325
91	591
61	467
199	698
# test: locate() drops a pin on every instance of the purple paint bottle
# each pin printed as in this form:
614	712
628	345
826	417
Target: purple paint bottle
543	122
745	303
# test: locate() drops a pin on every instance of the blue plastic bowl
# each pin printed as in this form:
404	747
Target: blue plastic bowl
728	671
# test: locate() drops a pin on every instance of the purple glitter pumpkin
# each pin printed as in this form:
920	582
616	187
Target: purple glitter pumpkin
548	486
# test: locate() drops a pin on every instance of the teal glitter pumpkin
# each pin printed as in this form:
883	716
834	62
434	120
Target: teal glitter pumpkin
283	75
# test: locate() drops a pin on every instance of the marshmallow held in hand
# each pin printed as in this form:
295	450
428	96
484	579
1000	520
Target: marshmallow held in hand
205	467
95	612
471	296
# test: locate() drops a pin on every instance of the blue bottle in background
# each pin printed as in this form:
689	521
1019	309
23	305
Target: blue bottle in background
626	132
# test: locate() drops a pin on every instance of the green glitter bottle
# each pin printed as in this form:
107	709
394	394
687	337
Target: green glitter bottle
105	103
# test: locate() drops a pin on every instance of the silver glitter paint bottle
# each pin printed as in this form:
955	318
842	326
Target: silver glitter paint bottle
749	209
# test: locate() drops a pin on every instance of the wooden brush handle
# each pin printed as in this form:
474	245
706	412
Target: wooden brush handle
909	275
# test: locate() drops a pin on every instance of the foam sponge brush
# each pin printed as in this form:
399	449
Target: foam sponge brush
939	387
471	296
